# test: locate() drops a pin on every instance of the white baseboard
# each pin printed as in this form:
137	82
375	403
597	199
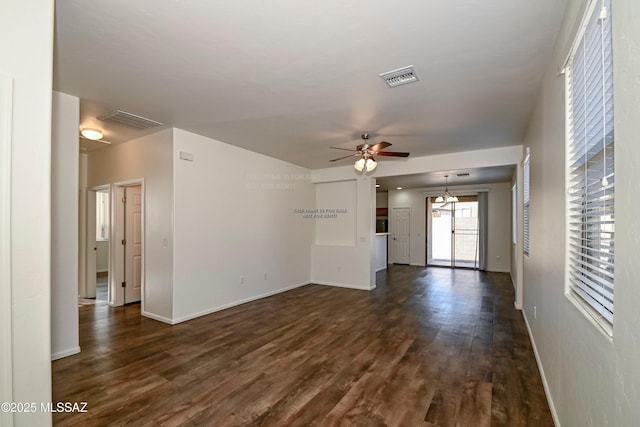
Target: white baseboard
65	353
156	317
239	302
343	285
545	384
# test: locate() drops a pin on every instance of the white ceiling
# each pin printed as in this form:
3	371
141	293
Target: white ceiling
289	78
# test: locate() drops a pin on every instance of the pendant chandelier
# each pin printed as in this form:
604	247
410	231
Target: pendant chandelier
446	196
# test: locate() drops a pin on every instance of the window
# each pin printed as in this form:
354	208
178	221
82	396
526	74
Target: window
590	166
526	166
102	216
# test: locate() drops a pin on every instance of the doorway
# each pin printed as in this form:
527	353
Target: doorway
102	243
128	251
454	233
120	228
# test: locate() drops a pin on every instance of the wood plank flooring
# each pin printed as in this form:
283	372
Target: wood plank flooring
428	347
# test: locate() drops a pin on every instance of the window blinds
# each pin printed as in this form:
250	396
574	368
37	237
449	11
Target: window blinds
590	166
527	198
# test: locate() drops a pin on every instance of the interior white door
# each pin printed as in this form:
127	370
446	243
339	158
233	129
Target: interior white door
133	244
400	235
91	247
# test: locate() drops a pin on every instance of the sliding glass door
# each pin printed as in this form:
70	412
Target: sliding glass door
454	233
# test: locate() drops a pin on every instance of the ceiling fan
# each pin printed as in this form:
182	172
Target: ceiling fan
366	153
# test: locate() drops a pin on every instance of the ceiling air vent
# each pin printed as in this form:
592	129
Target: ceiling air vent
401	76
127	119
463	174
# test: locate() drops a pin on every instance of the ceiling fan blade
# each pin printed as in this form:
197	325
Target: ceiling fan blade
379	146
342	158
340	148
392	154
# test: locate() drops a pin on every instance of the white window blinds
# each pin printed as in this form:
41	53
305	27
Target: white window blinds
590	166
526	166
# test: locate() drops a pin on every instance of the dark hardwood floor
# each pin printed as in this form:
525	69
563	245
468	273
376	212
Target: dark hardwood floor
430	346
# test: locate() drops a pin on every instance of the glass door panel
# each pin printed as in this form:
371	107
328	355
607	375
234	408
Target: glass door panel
454	233
465	234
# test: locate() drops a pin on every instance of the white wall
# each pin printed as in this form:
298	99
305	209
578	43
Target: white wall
349	266
64	225
381	252
499	222
26	43
148	157
336	229
235	222
592	380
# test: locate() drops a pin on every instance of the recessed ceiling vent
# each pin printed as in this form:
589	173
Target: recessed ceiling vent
401	76
463	174
123	118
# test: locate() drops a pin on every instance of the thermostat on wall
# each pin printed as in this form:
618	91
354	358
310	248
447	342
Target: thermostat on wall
186	156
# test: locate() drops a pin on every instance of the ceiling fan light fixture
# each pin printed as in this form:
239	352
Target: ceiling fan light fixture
92	134
366	164
440	199
370	164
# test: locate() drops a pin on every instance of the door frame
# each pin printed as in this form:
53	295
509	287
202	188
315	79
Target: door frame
6	330
91	234
89	282
429	222
116	251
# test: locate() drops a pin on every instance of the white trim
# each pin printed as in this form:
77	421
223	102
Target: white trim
231	304
545	384
579	33
116	296
588	312
65	353
6	356
344	285
158	318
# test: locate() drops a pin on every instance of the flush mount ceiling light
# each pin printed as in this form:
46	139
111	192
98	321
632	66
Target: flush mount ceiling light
92	134
446	196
